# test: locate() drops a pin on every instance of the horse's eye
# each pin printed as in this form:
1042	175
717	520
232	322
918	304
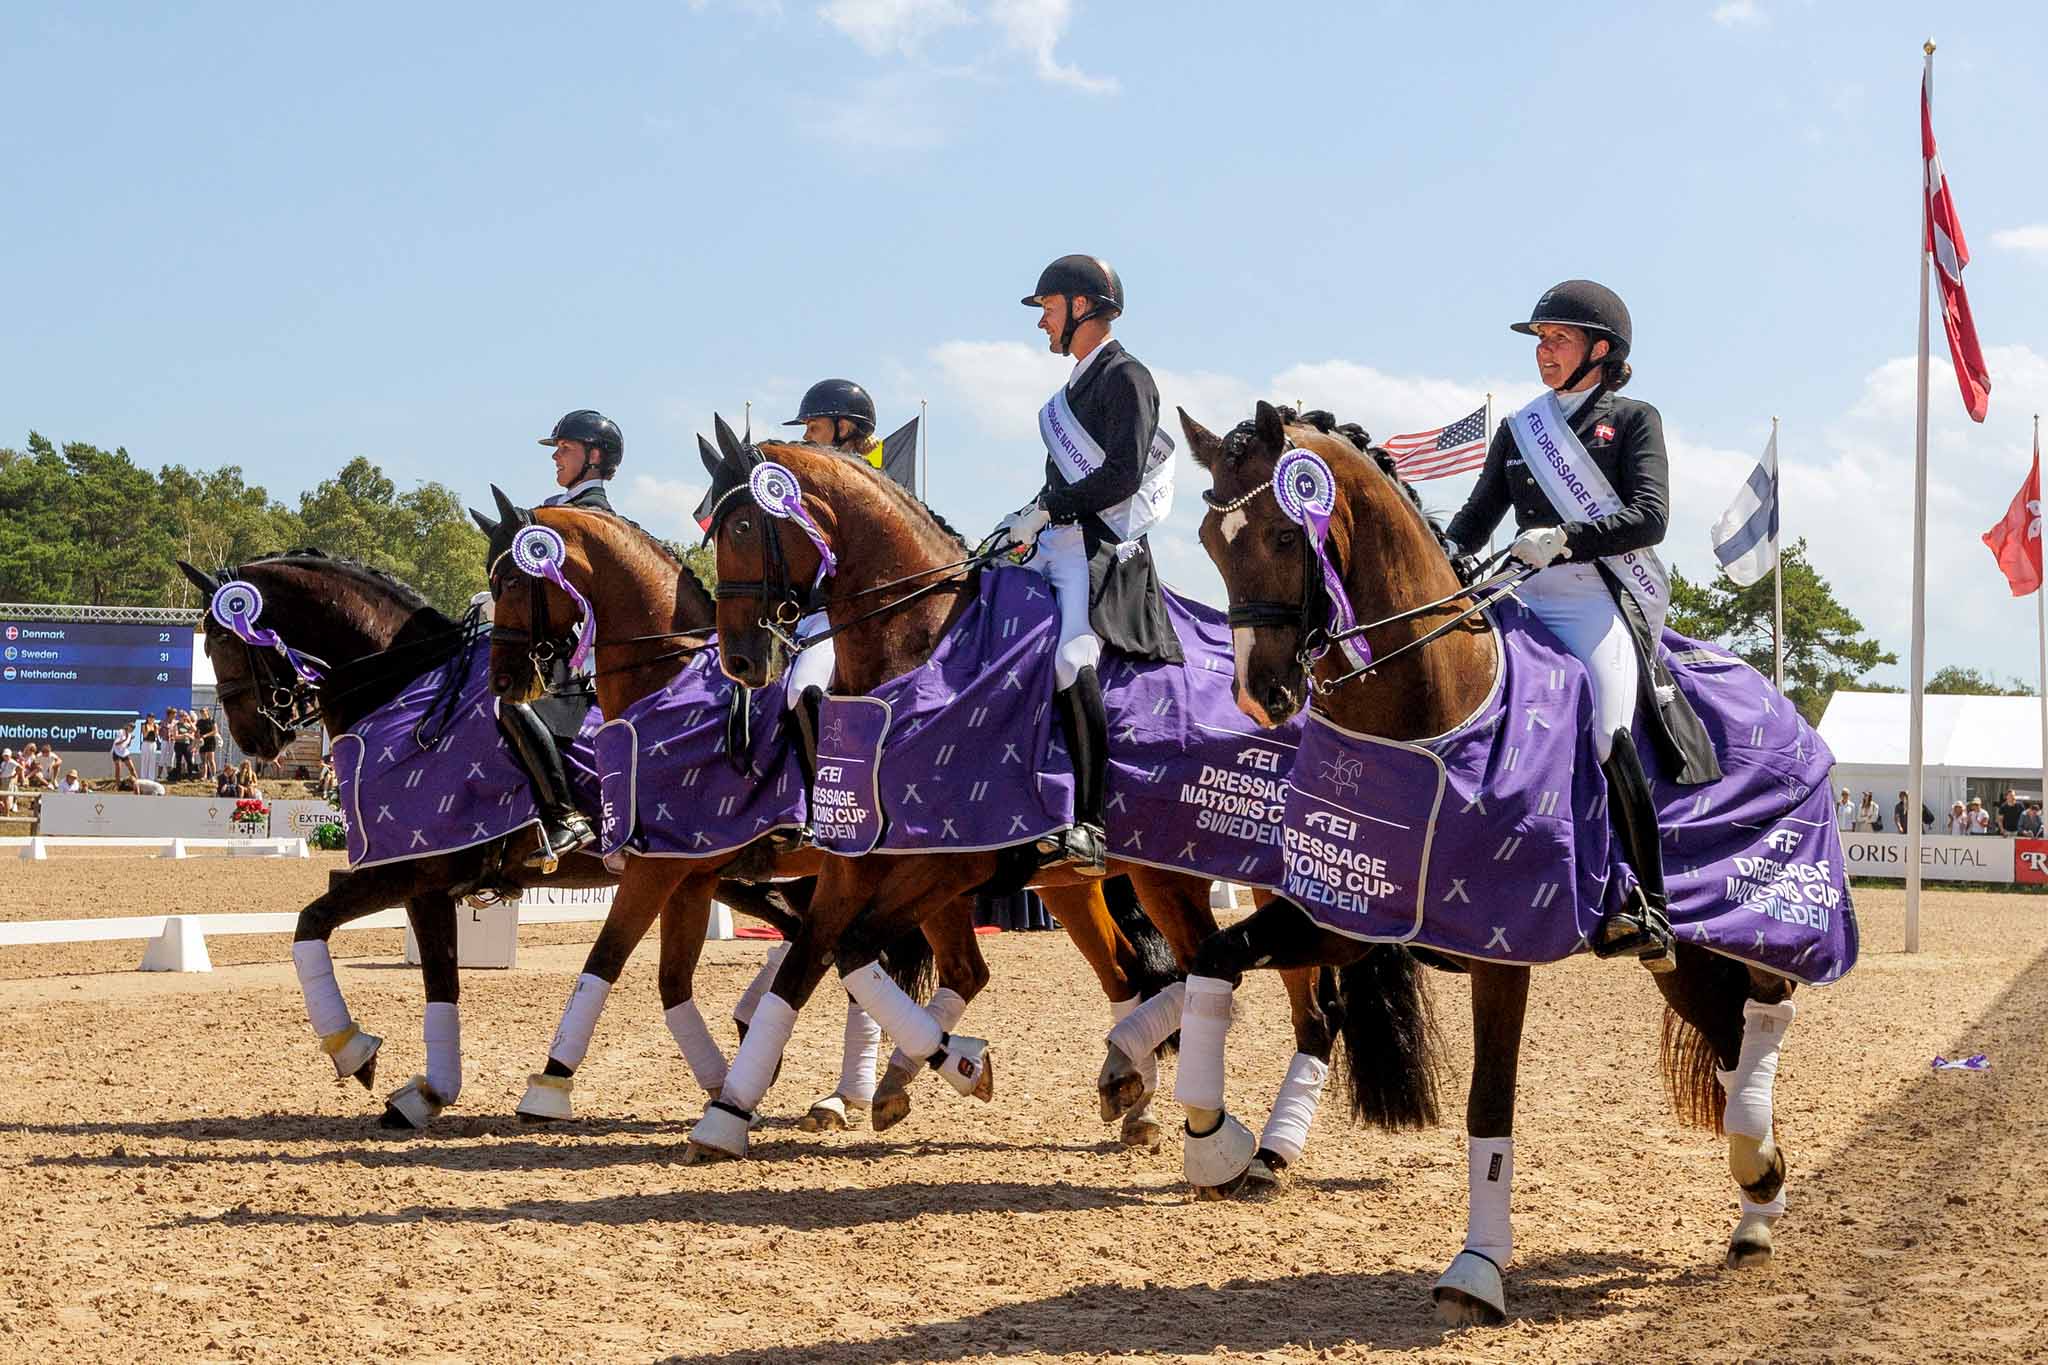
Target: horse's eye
744	525
1288	538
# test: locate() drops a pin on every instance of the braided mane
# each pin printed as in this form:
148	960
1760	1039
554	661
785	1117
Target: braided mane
905	498
406	593
1238	442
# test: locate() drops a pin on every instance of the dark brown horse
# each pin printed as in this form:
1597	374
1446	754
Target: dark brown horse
1391	562
655	609
883	536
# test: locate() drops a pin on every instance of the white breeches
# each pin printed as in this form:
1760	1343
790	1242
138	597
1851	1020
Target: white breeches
812	667
1062	559
1573	600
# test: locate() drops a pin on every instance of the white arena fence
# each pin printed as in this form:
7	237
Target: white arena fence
106	815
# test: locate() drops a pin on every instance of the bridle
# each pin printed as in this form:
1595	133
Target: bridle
1310	613
545	646
286	700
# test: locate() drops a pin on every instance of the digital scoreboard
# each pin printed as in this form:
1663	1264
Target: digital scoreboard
75	683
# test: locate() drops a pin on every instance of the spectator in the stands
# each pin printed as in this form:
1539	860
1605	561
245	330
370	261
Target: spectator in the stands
1845	811
32	769
182	766
330	784
1980	819
245	783
1958	819
10	780
148	747
208	735
226	786
53	767
122	754
2030	821
1869	819
72	782
140	786
2009	812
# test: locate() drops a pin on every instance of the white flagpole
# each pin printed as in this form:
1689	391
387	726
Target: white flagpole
923	436
1487	436
1778	567
2041	638
1914	696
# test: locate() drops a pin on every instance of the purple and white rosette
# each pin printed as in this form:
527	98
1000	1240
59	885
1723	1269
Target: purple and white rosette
1307	494
236	605
776	489
539	552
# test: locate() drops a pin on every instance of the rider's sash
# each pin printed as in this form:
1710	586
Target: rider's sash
1078	455
1580	492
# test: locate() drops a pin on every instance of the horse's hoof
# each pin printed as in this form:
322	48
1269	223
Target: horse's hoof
833	1114
412	1106
1218	1162
1262	1177
1120	1094
367	1073
970	1067
1469	1293
1141	1128
547	1099
1751	1245
890	1108
1747	1154
721	1135
357	1057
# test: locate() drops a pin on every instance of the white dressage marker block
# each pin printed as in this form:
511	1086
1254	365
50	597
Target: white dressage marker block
35	851
269	848
1222	896
176	850
179	948
487	937
721	922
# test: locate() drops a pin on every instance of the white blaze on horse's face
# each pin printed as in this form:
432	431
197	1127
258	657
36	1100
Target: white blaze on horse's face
1230	525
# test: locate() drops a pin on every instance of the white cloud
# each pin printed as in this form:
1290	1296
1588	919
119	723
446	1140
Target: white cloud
2033	237
1035	27
884	26
1739	14
666	507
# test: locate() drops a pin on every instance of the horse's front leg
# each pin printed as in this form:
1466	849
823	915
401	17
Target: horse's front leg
1754	1157
962	973
420	1100
349	896
923	1034
1471	1291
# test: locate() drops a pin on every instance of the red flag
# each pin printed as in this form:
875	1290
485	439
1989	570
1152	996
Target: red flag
2016	540
1945	240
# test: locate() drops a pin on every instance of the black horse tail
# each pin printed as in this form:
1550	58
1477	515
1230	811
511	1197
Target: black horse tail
1390	1037
1156	966
908	960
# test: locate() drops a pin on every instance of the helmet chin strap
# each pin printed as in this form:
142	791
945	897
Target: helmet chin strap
1571	383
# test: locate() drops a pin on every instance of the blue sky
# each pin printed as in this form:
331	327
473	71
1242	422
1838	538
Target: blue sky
283	236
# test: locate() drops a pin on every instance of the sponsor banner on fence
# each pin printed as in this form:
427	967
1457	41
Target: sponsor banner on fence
299	819
1943	857
2030	861
160	817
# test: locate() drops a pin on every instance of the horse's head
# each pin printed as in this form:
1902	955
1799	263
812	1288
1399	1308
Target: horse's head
1269	570
770	566
534	618
254	688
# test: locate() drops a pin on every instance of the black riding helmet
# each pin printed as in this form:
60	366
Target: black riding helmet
595	432
1594	309
837	399
1070	277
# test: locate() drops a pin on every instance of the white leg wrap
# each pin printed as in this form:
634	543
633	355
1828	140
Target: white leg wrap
324	1008
444	1050
700	1049
1756	1068
916	1032
1490	1174
1204	1027
859	1055
747	1080
1141	1028
579	1020
947	1009
1294	1108
743	1008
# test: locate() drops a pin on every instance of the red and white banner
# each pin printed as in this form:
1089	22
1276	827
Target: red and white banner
1944	239
2016	541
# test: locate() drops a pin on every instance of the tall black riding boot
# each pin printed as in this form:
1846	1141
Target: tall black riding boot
564	829
1643	930
803	717
1087	733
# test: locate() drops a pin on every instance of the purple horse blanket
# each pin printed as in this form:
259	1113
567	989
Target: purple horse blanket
964	753
669	790
405	799
1493	841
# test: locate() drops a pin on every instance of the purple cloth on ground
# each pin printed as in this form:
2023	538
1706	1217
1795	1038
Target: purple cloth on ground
669	791
403	801
971	755
1494	842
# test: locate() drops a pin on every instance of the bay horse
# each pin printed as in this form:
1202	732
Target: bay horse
1392	563
885	541
652	611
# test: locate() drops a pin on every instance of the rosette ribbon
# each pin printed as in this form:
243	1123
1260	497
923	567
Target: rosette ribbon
538	552
236	605
1307	494
776	489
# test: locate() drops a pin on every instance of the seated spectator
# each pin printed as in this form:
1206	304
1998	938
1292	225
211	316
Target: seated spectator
246	788
53	767
330	783
140	786
1958	819
72	783
1980	819
32	769
2009	812
227	786
1869	819
2030	821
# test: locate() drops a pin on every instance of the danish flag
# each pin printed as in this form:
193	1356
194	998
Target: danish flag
1944	241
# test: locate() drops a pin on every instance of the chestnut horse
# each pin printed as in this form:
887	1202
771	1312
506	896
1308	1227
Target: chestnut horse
650	611
901	581
1392	561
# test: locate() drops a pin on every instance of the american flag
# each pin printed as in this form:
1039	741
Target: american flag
1441	451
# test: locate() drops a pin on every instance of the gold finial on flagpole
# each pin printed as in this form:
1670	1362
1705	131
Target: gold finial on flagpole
1928	47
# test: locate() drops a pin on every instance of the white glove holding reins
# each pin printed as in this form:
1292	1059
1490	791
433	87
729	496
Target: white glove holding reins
1541	547
1020	529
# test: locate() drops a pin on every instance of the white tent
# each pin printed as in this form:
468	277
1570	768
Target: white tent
1993	742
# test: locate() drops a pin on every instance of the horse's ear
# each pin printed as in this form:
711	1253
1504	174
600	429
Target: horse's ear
1202	443
510	513
709	456
483	523
1272	433
740	457
205	582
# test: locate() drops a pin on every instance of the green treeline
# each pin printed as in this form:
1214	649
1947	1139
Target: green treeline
79	524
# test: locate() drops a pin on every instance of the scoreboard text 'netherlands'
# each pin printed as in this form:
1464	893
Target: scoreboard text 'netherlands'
73	684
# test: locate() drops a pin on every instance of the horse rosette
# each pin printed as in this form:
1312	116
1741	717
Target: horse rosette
539	552
780	495
1307	493
236	604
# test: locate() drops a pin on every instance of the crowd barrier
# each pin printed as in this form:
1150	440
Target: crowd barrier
35	848
106	815
1950	858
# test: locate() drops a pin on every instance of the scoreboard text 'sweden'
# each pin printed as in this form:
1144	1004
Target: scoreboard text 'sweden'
74	683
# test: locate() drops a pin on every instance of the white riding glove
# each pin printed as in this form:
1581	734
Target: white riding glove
1020	529
1541	547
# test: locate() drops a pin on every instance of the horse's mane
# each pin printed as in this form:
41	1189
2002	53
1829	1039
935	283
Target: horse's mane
665	553
407	595
906	499
1239	440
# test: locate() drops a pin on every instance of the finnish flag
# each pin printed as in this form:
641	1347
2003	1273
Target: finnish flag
1746	536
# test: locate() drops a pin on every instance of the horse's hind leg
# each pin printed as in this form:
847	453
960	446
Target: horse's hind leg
685	919
1721	1062
1470	1291
643	891
1125	1090
416	1103
962	970
1313	1002
1178	906
349	896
